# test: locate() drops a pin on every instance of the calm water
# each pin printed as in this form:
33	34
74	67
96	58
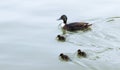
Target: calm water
28	29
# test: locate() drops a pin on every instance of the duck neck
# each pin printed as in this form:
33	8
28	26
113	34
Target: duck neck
65	22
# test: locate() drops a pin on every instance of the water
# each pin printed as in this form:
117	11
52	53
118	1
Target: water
28	29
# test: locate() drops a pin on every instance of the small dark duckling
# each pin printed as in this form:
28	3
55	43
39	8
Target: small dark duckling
64	57
75	25
81	53
61	38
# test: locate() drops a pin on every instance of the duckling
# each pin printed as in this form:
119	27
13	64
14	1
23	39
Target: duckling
64	57
61	38
75	25
81	53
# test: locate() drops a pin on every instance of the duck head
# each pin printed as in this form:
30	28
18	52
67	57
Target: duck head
61	54
79	50
58	36
64	18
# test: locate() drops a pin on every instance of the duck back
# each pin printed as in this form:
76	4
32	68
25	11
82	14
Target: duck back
76	26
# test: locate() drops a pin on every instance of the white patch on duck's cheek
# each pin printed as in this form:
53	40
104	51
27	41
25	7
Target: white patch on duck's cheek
62	24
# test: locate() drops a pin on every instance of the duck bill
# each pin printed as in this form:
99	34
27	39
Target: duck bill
59	19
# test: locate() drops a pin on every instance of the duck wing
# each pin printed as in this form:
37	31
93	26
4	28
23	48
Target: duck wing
77	26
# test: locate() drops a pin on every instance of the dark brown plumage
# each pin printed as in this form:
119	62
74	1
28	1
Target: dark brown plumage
61	38
81	53
75	25
64	57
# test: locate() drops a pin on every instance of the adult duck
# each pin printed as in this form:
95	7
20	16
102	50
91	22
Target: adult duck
74	26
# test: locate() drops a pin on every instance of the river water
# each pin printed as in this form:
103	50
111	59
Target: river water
28	30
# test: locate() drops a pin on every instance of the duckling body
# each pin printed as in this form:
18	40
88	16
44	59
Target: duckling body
64	57
75	25
61	38
81	53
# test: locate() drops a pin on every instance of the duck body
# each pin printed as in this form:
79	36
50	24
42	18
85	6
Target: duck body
75	25
81	53
64	57
61	38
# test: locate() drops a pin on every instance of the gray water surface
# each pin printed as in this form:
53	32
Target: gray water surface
28	30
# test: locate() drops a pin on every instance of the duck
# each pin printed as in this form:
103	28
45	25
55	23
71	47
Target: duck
61	38
81	53
64	57
74	26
